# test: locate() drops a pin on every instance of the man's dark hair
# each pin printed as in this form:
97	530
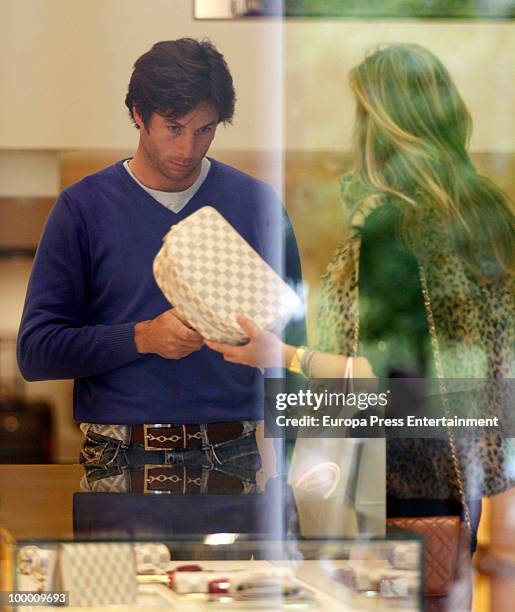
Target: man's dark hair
176	76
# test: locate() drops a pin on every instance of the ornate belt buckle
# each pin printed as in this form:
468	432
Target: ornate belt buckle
177	483
162	438
149	479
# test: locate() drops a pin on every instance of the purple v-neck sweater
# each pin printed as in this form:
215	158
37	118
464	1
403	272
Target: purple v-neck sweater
92	282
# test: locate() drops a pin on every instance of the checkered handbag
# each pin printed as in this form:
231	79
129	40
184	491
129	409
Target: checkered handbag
97	574
209	273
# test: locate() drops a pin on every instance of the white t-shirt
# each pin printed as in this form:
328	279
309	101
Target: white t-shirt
174	200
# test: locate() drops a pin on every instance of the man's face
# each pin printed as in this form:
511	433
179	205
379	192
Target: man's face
172	149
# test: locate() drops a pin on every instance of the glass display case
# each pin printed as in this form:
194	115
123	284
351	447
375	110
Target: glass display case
220	570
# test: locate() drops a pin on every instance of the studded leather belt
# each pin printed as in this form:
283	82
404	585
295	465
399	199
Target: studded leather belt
166	436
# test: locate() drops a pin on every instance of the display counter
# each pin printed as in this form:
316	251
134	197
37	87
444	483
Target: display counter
222	571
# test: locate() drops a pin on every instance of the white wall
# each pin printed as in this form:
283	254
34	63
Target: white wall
64	69
65	66
320	53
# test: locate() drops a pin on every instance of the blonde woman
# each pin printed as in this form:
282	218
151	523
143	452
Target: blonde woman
424	285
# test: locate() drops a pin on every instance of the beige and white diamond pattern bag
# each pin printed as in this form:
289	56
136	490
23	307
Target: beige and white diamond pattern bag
209	273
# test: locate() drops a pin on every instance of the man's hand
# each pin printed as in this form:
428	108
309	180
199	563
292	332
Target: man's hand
166	336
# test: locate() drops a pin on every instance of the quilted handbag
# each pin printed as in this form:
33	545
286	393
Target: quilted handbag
209	273
447	548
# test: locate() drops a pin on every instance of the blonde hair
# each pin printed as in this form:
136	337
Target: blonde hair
411	136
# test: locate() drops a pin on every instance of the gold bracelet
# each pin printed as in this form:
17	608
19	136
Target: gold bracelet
305	364
296	361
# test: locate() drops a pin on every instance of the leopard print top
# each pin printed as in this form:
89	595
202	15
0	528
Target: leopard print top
475	329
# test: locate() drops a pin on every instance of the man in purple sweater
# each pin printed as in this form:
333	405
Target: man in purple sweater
148	392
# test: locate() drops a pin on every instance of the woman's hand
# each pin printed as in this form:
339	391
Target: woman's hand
263	350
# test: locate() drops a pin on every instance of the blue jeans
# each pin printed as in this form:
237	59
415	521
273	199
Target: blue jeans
105	457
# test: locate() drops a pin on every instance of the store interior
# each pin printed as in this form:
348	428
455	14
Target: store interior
64	70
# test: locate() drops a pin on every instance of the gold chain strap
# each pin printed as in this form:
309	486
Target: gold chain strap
355	344
443	390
